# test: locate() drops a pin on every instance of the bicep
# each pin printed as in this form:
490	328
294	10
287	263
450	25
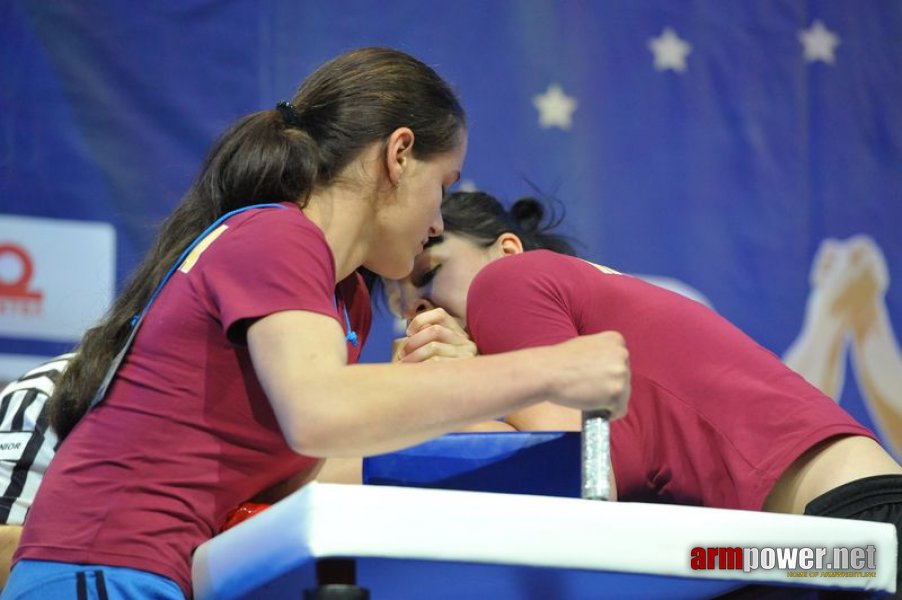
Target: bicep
289	350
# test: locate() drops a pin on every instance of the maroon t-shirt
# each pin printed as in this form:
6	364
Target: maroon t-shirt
186	433
714	419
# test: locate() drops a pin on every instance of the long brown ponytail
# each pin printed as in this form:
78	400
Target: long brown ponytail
273	156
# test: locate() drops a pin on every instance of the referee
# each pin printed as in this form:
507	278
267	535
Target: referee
27	445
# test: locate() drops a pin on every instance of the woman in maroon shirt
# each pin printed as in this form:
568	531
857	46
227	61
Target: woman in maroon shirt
714	419
236	372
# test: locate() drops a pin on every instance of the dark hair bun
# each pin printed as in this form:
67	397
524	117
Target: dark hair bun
528	214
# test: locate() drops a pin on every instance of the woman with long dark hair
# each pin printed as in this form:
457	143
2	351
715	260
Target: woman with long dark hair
715	419
223	369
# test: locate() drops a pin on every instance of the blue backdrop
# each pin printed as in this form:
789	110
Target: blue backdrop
720	144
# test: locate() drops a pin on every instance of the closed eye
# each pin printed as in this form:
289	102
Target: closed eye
427	277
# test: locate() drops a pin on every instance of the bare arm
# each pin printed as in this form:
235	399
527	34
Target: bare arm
9	541
818	353
341	470
878	367
435	335
876	356
326	408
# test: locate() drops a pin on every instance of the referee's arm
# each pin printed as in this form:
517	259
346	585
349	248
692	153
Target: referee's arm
23	410
9	541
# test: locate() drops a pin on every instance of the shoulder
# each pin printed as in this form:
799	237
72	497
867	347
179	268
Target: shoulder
531	260
273	222
523	301
532	271
27	442
262	241
526	283
39	381
518	265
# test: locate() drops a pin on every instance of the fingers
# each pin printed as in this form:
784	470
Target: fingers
866	256
595	373
435	342
615	367
435	316
434	335
824	259
622	398
839	264
437	351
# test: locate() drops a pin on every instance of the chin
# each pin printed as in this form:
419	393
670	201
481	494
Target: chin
397	269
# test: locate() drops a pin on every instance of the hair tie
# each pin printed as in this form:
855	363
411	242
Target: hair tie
290	115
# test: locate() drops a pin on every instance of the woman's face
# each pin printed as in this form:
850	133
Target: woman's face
441	277
407	221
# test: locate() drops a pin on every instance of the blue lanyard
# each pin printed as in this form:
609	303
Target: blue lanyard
351	336
138	318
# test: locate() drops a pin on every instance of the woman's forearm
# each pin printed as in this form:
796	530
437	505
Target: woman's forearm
877	360
326	408
818	353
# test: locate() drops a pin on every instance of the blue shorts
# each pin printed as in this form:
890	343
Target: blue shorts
42	580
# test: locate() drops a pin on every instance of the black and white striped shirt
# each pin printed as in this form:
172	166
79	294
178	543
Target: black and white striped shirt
27	443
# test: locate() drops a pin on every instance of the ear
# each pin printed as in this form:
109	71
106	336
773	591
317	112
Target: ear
507	244
398	153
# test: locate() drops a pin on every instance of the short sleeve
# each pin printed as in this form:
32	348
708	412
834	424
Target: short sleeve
522	301
273	260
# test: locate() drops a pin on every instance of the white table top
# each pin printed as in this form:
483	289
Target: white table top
478	545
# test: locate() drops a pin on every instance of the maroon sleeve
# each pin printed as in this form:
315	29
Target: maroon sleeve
271	261
523	301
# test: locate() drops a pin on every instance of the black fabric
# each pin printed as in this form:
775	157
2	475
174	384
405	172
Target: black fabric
870	499
101	585
876	498
81	586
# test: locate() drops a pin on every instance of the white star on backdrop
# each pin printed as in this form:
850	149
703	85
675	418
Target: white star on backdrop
555	107
467	185
670	51
819	43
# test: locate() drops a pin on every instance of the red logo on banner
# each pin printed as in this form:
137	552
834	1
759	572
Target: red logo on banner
16	295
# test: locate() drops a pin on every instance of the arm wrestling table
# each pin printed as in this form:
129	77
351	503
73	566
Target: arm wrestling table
459	543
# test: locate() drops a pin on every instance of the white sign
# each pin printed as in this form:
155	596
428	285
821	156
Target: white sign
12	444
57	277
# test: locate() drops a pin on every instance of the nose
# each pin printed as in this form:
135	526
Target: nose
437	226
414	306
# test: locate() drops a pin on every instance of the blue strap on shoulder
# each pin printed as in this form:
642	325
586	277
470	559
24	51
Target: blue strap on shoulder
138	318
351	336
